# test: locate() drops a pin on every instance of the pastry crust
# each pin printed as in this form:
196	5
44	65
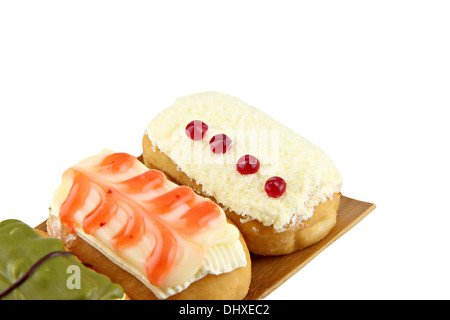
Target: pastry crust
260	239
233	285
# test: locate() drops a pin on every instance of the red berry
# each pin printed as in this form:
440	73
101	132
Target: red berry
220	143
247	164
275	187
196	130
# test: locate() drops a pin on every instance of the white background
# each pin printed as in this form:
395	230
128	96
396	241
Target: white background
367	81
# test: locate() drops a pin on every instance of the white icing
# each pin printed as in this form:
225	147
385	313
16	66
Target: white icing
309	173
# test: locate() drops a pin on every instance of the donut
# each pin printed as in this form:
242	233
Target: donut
280	190
156	239
36	267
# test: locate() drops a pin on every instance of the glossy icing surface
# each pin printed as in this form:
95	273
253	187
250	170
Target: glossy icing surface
309	173
164	234
21	247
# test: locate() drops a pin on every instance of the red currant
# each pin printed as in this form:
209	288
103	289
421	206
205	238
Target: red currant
275	187
220	143
196	130
247	164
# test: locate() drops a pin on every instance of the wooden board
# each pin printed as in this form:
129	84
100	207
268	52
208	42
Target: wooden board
268	273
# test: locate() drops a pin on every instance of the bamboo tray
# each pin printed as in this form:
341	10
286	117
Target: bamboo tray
268	273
